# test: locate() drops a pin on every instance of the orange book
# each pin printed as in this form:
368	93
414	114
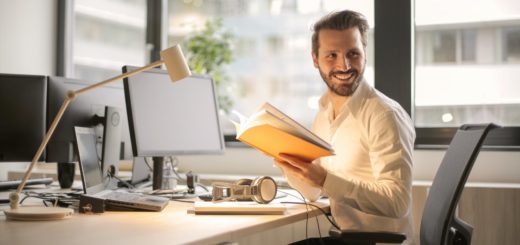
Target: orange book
272	132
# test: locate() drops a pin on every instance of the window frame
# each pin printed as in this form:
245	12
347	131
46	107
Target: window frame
396	79
155	34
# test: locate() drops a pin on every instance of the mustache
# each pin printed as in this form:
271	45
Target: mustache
347	72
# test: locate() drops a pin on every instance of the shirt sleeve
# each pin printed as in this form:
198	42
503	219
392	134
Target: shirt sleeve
309	192
390	142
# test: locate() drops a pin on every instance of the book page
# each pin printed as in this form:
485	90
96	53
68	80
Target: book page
294	127
272	141
269	115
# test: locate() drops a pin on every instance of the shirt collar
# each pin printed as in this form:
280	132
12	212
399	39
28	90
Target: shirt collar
353	104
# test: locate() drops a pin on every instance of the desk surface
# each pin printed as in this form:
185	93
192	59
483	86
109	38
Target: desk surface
174	225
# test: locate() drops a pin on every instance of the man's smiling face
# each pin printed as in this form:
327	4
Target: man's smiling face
341	60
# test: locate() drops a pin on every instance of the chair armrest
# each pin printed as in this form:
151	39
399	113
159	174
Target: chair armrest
367	236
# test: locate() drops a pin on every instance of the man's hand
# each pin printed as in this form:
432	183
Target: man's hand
309	172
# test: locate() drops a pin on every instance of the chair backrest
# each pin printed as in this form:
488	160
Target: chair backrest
439	224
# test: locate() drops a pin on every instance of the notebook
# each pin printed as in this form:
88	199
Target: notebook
201	207
95	186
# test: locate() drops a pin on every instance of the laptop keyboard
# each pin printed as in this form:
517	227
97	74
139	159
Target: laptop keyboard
122	196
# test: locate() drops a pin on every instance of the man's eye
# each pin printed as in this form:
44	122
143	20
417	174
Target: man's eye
333	55
353	54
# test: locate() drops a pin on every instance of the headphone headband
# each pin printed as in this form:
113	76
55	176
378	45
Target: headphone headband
262	190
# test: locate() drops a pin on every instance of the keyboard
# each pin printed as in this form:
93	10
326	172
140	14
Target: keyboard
122	196
13	184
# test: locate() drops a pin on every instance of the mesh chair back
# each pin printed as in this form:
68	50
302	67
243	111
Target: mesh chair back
438	224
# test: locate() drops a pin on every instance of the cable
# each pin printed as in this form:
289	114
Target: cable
310	204
323	211
203	187
45	197
130	186
148	164
307	219
177	173
306	208
111	173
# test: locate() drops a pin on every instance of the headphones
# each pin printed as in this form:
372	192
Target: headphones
261	190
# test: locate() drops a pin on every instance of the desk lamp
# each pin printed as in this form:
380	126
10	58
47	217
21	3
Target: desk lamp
177	69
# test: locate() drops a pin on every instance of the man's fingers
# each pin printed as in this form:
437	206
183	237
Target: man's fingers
295	161
287	166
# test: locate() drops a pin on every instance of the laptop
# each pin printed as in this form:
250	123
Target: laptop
94	186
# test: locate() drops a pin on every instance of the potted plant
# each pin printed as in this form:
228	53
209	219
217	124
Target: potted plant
208	51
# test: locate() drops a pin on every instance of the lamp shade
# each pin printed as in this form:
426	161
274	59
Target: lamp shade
175	62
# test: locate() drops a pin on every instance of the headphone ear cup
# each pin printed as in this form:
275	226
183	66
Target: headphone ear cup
244	182
266	187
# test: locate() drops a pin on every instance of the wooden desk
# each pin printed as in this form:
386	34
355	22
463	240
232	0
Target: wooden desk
174	225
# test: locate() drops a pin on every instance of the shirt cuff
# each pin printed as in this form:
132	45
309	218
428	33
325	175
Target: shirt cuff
336	187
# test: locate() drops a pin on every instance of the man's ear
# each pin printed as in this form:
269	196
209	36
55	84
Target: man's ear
315	60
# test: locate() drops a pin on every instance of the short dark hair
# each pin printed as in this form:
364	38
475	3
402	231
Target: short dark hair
341	20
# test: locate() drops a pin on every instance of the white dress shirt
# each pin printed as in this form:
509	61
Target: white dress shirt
369	178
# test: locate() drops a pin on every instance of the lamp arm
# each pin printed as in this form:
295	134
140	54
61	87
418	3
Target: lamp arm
71	95
124	75
14	197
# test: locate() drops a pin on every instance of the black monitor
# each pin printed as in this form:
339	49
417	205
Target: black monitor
22	124
171	118
87	110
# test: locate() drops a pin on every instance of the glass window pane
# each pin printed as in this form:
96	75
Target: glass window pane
271	49
469	45
107	35
444	46
512	45
467	63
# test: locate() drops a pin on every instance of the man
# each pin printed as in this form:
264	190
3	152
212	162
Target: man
368	180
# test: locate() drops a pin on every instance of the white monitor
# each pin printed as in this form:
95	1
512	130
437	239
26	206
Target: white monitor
172	118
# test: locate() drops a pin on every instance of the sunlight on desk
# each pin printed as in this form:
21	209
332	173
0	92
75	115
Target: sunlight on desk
174	225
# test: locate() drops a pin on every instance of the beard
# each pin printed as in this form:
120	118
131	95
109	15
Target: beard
342	89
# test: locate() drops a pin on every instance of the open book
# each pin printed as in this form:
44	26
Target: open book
272	132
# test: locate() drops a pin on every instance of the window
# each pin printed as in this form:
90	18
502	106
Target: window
444	46
271	49
107	35
464	68
469	45
511	38
466	63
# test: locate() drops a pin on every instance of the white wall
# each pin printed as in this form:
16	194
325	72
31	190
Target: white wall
27	45
28	42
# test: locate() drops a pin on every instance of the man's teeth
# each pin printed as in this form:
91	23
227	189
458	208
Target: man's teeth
343	76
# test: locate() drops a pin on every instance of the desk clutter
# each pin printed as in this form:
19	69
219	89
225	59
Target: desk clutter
244	196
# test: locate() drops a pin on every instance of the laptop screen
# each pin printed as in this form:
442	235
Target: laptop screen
88	160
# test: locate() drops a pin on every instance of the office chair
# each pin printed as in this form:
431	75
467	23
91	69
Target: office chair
439	225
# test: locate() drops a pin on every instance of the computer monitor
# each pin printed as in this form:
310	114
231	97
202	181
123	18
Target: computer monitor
22	124
167	119
112	126
87	110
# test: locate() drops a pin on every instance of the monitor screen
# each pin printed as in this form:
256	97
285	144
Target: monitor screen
22	124
172	118
91	175
81	112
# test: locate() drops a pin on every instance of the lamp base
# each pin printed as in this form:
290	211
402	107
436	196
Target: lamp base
38	213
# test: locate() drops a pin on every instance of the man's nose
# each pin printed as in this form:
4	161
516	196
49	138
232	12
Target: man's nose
344	64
